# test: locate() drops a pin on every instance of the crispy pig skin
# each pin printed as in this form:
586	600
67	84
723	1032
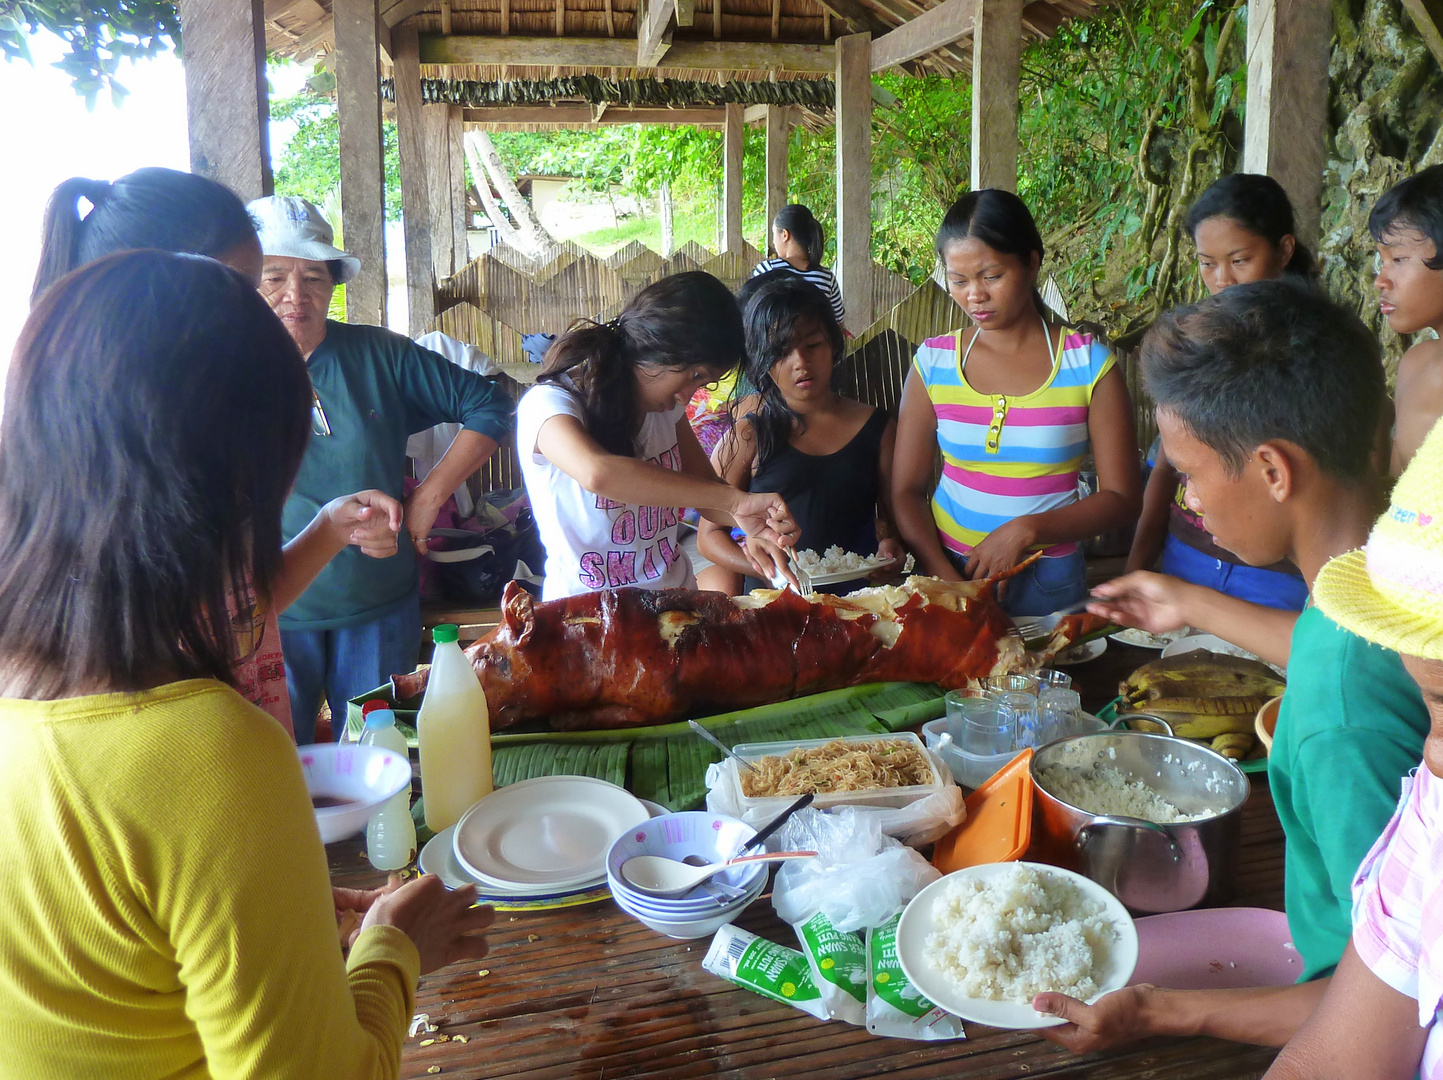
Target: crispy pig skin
632	657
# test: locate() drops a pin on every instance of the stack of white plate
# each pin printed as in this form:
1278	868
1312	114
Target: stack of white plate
711	905
537	839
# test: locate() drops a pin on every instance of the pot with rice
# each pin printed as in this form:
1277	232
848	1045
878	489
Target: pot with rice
1155	820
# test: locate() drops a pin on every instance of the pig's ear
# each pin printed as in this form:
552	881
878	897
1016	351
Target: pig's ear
518	613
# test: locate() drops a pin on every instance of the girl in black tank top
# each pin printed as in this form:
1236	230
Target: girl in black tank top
827	455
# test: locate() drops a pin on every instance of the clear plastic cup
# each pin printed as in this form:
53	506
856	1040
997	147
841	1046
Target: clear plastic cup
1022	708
988	727
956	698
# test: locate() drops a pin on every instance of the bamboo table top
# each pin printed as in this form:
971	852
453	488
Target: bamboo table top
588	993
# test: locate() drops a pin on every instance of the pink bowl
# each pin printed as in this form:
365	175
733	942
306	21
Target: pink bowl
1216	949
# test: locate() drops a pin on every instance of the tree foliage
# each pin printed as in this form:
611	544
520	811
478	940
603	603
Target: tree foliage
99	35
310	165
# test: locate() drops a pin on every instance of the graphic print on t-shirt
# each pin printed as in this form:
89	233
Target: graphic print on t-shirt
626	562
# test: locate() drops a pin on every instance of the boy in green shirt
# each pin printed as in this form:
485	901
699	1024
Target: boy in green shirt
1268	399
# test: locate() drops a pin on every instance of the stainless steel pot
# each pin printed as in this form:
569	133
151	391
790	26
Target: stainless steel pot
1150	867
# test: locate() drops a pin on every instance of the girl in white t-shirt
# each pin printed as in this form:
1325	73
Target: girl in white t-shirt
609	458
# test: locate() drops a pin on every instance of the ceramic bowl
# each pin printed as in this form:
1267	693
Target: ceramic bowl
687	928
359	777
713	837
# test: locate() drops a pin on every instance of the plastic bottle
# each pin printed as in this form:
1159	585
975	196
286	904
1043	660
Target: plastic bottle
454	732
390	834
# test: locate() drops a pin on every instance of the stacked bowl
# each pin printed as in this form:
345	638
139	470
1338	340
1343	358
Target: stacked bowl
711	905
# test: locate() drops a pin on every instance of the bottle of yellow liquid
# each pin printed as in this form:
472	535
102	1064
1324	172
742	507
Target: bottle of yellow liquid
453	731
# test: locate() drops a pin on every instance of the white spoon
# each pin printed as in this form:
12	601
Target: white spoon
656	875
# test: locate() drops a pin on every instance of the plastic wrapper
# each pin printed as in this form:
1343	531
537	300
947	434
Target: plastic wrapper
894	1006
765	967
838	962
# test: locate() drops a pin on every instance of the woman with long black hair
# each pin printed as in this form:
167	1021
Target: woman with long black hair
608	456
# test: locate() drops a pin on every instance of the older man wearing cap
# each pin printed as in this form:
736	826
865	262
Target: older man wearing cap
360	621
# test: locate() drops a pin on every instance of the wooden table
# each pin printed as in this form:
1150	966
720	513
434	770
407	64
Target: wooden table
588	993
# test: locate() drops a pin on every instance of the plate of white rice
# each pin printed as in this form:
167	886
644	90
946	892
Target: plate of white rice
984	941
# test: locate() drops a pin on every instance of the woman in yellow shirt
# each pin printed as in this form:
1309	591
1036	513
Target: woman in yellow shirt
167	907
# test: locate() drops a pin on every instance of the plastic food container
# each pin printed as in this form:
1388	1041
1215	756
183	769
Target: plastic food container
753	752
974	770
998	825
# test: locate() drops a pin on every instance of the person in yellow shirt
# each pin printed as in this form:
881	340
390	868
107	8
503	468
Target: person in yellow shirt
167	906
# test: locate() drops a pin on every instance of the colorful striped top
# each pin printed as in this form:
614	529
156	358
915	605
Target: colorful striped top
1003	457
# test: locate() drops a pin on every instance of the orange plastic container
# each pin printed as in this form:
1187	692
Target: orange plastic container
998	826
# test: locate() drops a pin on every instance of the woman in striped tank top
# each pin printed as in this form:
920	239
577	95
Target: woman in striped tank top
1014	404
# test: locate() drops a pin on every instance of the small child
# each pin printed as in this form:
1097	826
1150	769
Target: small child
1407	223
828	456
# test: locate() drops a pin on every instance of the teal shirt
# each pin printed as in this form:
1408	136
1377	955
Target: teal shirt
377	389
1351	726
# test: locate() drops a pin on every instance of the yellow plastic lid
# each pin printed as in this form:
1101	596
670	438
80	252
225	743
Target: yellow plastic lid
998	826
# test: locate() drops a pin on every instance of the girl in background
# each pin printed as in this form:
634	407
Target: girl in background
799	241
828	456
608	456
1243	229
1014	404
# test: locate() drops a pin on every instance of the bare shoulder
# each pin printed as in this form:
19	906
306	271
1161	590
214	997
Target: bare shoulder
1422	367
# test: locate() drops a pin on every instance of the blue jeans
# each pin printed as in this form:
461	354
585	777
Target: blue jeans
1271	588
338	665
1045	586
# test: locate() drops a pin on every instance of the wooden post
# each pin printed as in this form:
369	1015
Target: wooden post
1286	123
363	168
731	239
436	128
996	85
460	217
227	109
415	200
1427	16
854	177
779	129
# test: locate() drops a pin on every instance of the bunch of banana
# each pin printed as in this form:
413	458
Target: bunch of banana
1207	696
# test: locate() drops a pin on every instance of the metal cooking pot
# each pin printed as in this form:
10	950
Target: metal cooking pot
1150	867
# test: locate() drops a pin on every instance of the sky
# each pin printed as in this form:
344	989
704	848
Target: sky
50	136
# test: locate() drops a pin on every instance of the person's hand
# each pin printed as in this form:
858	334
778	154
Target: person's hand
352	905
769	560
1152	602
894	553
421	510
443	925
765	514
369	519
1114	1019
1001	549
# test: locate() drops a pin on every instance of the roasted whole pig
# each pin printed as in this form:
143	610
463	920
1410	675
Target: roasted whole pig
631	657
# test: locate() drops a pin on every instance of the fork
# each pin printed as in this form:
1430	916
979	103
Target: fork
804	581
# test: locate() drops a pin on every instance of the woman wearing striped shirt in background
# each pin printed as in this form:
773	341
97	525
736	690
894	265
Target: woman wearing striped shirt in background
799	241
1014	404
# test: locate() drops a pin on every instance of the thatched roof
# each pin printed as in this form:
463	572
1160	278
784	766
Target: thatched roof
302	28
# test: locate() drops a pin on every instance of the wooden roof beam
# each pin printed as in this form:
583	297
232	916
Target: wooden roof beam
653	31
600	52
941	26
581	116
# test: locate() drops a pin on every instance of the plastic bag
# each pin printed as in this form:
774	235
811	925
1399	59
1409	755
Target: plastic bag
894	1006
920	822
860	877
838	961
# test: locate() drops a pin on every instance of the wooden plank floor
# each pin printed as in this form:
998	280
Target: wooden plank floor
590	994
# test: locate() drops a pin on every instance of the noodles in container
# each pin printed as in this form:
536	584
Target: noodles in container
860	770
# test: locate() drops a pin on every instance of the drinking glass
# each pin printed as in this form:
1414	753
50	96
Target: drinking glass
1057	712
1023	710
1005	684
987	727
1050	677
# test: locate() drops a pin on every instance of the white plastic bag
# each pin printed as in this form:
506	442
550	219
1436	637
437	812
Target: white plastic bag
860	877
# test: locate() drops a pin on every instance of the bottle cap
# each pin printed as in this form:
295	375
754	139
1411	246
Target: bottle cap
444	633
372	705
380	718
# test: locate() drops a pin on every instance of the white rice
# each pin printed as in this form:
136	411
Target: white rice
1106	791
835	561
1020	934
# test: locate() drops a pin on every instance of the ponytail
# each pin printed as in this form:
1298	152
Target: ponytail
1260	205
685	320
60	237
149	208
805	229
